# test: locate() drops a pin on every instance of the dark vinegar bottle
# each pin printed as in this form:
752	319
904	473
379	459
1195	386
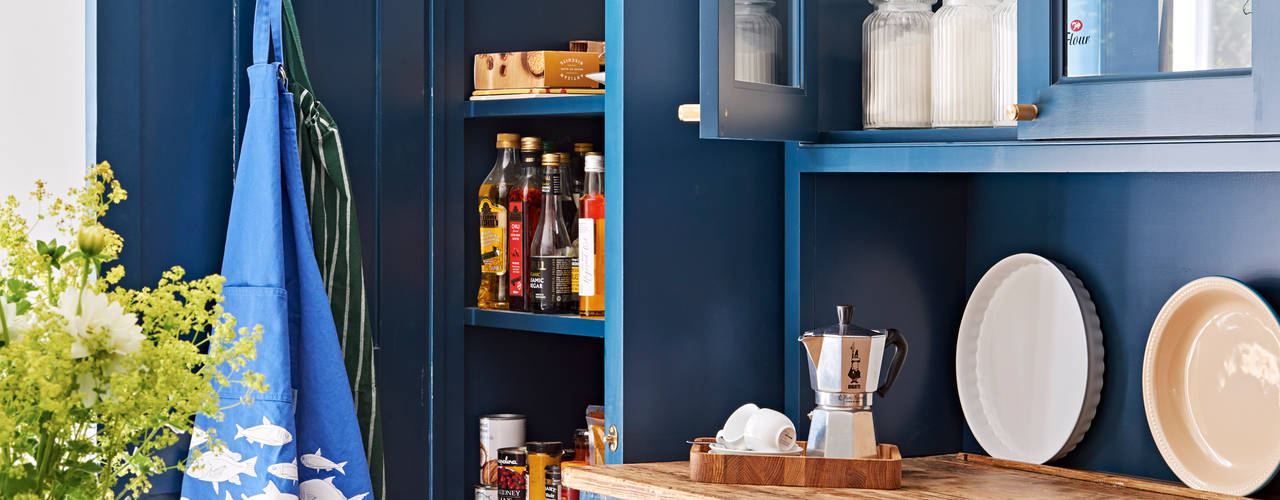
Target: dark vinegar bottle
550	274
525	205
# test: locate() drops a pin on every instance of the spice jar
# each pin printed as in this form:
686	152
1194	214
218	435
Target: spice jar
755	41
962	63
541	455
895	64
567	493
581	445
553	482
513	477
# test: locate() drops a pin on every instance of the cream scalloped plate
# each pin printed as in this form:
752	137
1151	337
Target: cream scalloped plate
1029	360
1211	386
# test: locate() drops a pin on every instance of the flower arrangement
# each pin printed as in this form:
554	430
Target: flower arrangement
95	378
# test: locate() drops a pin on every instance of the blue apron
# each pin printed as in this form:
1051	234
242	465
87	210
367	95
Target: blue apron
300	437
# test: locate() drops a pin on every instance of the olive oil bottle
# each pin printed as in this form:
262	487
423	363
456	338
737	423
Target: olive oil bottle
492	206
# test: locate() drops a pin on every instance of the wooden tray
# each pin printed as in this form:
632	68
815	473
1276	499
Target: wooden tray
881	473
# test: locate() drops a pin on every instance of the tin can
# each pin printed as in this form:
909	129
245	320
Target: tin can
513	474
503	430
486	492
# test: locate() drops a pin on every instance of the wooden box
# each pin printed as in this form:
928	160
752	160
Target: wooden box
882	473
535	69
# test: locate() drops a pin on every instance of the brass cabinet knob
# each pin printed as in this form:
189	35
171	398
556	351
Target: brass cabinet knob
612	438
1021	112
689	112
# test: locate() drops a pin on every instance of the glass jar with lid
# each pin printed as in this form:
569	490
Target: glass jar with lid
755	42
1005	61
895	64
962	63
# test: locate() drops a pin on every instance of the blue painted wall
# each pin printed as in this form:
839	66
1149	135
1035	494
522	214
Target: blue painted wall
171	93
1133	239
908	248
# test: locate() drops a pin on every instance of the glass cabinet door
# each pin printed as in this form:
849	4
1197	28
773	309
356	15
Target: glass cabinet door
1148	68
755	76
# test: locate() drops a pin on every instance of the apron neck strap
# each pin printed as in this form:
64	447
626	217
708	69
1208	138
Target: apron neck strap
267	31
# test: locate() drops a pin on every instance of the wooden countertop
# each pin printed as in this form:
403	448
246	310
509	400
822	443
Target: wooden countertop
938	477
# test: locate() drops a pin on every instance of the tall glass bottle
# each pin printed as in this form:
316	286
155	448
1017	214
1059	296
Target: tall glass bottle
549	259
525	208
896	42
580	150
493	225
962	66
1005	59
591	241
569	212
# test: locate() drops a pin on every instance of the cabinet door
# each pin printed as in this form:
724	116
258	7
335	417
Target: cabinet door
757	78
1148	68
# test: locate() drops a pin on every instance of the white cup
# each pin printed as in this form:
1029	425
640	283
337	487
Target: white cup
768	430
732	436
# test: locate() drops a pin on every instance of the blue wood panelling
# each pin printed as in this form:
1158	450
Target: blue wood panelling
166	88
894	247
744	110
563	324
699	285
172	93
1133	239
547	106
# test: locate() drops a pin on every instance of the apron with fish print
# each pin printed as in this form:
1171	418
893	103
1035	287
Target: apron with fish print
299	439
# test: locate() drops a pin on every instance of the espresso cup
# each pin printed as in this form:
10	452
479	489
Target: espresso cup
732	436
768	430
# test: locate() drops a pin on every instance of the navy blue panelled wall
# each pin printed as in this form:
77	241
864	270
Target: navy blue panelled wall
172	95
907	249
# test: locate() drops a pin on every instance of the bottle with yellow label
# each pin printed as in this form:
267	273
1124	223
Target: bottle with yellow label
492	208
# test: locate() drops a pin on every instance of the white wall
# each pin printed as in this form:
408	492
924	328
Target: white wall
45	103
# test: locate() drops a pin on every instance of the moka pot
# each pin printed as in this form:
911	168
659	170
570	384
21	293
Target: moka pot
844	370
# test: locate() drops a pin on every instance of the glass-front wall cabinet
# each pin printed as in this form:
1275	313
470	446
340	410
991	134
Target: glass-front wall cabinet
928	70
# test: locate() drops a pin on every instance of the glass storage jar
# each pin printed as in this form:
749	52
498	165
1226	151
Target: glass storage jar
962	66
755	42
1005	60
895	64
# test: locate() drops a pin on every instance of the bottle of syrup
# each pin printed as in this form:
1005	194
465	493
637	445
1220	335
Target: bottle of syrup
549	258
524	212
492	205
591	240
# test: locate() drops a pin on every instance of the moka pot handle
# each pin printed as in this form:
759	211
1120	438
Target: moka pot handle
895	339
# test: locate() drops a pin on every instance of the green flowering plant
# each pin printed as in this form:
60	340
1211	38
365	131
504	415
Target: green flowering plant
95	378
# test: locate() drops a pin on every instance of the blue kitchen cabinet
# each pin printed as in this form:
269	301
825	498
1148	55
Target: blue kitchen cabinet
816	97
693	249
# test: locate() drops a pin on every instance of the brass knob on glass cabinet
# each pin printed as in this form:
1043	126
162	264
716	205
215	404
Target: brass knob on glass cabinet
689	112
1021	112
612	438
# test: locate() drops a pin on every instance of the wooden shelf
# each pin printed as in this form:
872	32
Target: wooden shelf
915	136
1201	155
948	476
583	105
561	324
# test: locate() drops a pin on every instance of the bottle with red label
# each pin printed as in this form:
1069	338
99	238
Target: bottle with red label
525	206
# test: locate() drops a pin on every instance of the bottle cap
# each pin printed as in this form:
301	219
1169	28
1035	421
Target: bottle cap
582	147
530	144
565	158
595	162
548	146
508	140
548	447
551	159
